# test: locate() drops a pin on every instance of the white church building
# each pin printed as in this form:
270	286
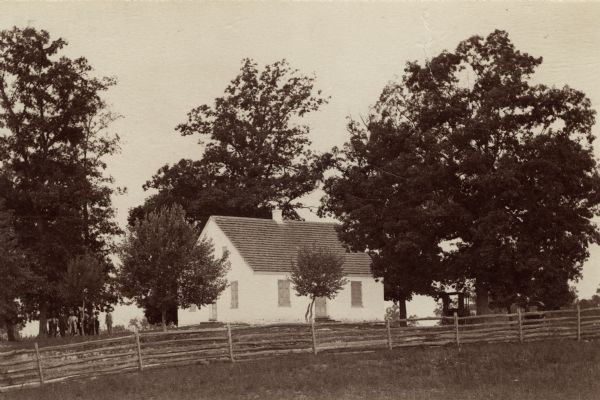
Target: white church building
261	252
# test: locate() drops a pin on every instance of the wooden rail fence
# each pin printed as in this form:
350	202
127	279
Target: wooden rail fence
40	365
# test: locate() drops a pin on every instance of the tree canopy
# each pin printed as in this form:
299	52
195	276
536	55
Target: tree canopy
490	180
256	152
317	272
165	264
84	281
53	142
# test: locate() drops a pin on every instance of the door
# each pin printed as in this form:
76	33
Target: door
213	312
321	307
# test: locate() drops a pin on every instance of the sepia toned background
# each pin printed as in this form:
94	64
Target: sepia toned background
170	57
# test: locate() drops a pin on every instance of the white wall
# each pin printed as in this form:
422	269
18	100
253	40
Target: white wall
239	272
373	309
263	306
258	294
258	302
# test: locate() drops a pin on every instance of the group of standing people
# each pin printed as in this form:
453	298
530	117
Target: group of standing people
78	322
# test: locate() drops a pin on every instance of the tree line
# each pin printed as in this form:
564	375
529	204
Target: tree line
464	175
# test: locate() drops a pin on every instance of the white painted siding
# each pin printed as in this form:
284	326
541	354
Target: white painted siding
266	309
239	272
258	294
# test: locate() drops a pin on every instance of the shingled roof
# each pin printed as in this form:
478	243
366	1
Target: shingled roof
270	246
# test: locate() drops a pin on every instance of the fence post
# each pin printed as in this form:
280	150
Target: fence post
389	333
39	363
139	350
314	336
230	340
520	324
456	328
578	322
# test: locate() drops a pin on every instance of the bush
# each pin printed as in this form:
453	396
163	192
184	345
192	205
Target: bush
139	324
393	314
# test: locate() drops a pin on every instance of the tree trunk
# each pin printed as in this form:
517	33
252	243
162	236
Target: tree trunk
482	300
402	312
11	332
43	328
163	315
309	313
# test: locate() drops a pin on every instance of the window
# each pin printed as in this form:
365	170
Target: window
283	293
234	294
356	293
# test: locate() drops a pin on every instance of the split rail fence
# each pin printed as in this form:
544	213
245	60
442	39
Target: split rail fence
32	367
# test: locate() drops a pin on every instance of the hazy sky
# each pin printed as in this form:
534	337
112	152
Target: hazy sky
171	57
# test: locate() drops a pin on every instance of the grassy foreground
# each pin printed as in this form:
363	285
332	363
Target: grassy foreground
544	370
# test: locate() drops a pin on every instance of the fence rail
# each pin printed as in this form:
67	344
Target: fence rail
31	367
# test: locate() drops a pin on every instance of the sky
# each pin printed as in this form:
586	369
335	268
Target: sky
170	57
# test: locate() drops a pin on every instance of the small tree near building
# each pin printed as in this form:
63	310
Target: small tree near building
164	263
317	273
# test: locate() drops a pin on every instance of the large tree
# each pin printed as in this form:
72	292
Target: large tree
53	139
165	264
16	277
515	186
256	152
387	195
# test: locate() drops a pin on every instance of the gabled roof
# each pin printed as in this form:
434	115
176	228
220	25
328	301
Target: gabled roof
270	246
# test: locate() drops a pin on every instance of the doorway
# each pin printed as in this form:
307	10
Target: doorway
321	307
213	312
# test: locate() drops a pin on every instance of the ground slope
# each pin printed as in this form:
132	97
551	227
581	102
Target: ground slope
545	370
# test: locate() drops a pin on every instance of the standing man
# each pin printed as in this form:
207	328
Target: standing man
62	323
80	322
87	324
72	321
108	320
96	322
51	326
54	331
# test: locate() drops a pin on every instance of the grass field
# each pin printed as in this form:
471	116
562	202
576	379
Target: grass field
544	370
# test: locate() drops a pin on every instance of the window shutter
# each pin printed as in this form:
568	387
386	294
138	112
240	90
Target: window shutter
356	293
213	312
283	293
234	294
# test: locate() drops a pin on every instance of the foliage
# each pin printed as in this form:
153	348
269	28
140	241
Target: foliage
317	272
593	301
164	263
255	153
85	281
154	314
138	324
489	180
15	276
393	314
53	141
